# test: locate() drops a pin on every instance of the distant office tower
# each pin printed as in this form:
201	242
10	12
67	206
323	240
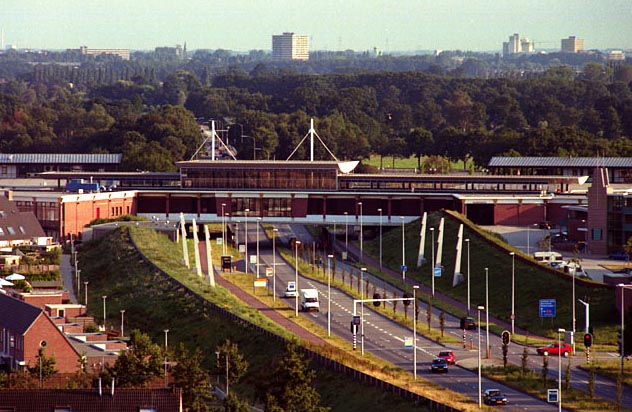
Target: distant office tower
122	53
177	52
517	45
290	46
572	45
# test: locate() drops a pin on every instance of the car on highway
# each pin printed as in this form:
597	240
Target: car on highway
468	323
448	356
494	397
620	255
291	291
439	365
555	349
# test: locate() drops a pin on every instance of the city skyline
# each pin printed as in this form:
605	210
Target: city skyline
330	24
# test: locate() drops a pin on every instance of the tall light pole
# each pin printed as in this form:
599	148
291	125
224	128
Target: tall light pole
122	323
403	249
488	354
223	230
433	260
528	240
166	348
559	368
480	390
85	284
246	241
380	211
513	291
296	245
274	235
574	313
361	235
467	241
346	235
415	287
258	225
104	297
362	272
586	315
623	288
329	258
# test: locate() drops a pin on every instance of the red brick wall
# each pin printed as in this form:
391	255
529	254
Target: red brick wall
78	212
43	329
42	300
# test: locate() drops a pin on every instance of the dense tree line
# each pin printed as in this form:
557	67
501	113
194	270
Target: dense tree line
124	108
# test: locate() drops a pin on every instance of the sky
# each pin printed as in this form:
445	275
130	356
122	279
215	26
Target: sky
243	25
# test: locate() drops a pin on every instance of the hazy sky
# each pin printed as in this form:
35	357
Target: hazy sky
392	25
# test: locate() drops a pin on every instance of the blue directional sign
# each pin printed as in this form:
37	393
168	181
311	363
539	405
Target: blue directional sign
547	308
404	268
437	272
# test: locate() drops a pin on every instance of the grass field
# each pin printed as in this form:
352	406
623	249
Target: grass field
401	163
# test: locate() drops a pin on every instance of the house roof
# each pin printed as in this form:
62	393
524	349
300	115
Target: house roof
60	158
16	225
569	162
89	400
17	315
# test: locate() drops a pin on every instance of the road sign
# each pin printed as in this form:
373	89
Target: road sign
437	272
261	283
269	272
552	396
547	308
403	268
408	342
513	316
506	335
356	320
242	248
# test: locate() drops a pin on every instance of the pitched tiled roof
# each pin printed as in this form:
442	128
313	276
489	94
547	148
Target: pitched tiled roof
584	162
89	400
17	315
24	225
60	158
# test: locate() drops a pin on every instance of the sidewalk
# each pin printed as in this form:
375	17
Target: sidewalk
67	274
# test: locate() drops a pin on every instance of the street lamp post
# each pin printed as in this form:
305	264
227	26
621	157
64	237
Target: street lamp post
488	354
467	241
433	260
346	235
559	368
274	235
122	323
361	235
223	230
479	308
296	245
329	257
247	263
85	284
415	287
104	297
380	211
166	348
622	349
258	225
513	292
78	283
574	313
403	250
362	272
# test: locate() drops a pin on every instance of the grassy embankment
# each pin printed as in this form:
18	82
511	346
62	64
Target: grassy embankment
153	304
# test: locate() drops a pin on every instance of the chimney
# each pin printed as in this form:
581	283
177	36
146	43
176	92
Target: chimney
112	388
100	388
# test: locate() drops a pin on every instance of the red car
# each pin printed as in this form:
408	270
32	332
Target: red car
448	356
553	349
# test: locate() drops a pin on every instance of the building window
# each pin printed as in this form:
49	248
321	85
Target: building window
22	230
63	409
1	231
12	341
5	170
146	409
11	230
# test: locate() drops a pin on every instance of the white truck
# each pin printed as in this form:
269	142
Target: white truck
309	300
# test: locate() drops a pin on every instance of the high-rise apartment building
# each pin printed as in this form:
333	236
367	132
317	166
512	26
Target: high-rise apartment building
572	45
517	45
290	46
122	53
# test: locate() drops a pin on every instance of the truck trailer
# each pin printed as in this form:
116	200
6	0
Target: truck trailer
309	300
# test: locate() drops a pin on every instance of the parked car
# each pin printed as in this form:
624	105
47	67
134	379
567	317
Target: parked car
494	397
554	349
620	255
469	323
448	355
439	366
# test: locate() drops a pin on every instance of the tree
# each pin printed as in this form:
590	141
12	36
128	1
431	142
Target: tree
192	378
44	367
420	142
291	387
230	358
139	364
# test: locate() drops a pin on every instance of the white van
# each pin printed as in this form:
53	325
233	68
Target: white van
309	300
548	257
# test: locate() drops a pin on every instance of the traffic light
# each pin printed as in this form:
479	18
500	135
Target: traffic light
506	337
588	340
